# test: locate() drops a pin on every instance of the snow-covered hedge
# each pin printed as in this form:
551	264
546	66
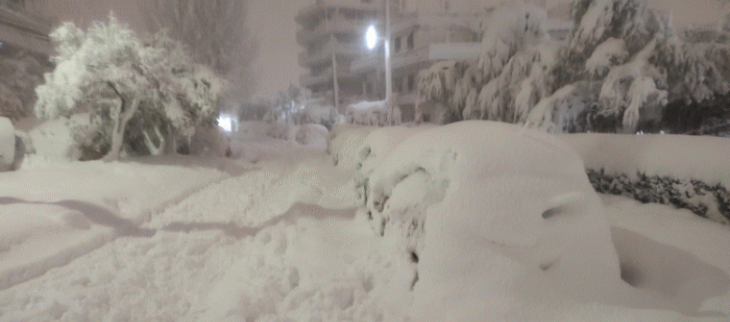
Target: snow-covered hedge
712	202
686	171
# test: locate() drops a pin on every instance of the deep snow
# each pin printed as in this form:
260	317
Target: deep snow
275	236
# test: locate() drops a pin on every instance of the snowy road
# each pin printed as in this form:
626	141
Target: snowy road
237	249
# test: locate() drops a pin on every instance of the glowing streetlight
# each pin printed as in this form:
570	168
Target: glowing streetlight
371	37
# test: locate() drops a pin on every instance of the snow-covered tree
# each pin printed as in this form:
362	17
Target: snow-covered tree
488	88
214	31
138	92
445	84
598	20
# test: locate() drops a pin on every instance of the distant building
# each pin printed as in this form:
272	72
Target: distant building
342	71
23	30
331	33
417	41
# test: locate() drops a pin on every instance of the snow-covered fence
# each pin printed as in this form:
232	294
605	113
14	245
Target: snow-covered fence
686	171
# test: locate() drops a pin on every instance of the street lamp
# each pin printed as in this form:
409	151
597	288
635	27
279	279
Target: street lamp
371	38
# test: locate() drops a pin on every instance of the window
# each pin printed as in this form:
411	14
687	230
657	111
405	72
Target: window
396	44
398	85
411	82
410	40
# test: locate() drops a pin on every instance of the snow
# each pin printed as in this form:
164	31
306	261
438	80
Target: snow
7	143
371	113
682	157
276	236
59	211
609	53
344	142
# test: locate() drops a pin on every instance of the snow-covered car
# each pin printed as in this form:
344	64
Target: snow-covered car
492	189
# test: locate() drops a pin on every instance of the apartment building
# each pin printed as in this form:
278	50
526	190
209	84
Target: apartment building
417	41
331	34
22	30
343	71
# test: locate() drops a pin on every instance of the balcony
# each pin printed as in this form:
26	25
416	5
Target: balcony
326	28
322	5
309	80
408	57
325	53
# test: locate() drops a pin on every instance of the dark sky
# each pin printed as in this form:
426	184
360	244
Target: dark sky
273	23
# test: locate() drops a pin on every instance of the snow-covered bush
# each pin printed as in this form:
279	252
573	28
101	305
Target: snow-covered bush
141	93
284	131
312	135
317	114
496	190
371	113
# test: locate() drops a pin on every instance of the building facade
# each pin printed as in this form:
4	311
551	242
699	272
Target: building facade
331	34
343	71
417	41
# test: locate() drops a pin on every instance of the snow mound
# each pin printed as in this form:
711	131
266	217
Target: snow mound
312	135
7	143
343	143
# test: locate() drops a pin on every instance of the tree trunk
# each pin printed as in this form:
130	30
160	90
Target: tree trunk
126	113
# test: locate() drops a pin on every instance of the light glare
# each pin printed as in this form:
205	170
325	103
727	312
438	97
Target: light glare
225	123
371	37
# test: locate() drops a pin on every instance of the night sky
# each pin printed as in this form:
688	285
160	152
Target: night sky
273	23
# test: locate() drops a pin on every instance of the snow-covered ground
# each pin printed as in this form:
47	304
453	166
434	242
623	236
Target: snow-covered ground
276	236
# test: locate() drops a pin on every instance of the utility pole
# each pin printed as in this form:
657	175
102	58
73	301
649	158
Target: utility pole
335	84
388	76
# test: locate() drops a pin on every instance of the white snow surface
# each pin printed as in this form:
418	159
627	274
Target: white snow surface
275	236
682	157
